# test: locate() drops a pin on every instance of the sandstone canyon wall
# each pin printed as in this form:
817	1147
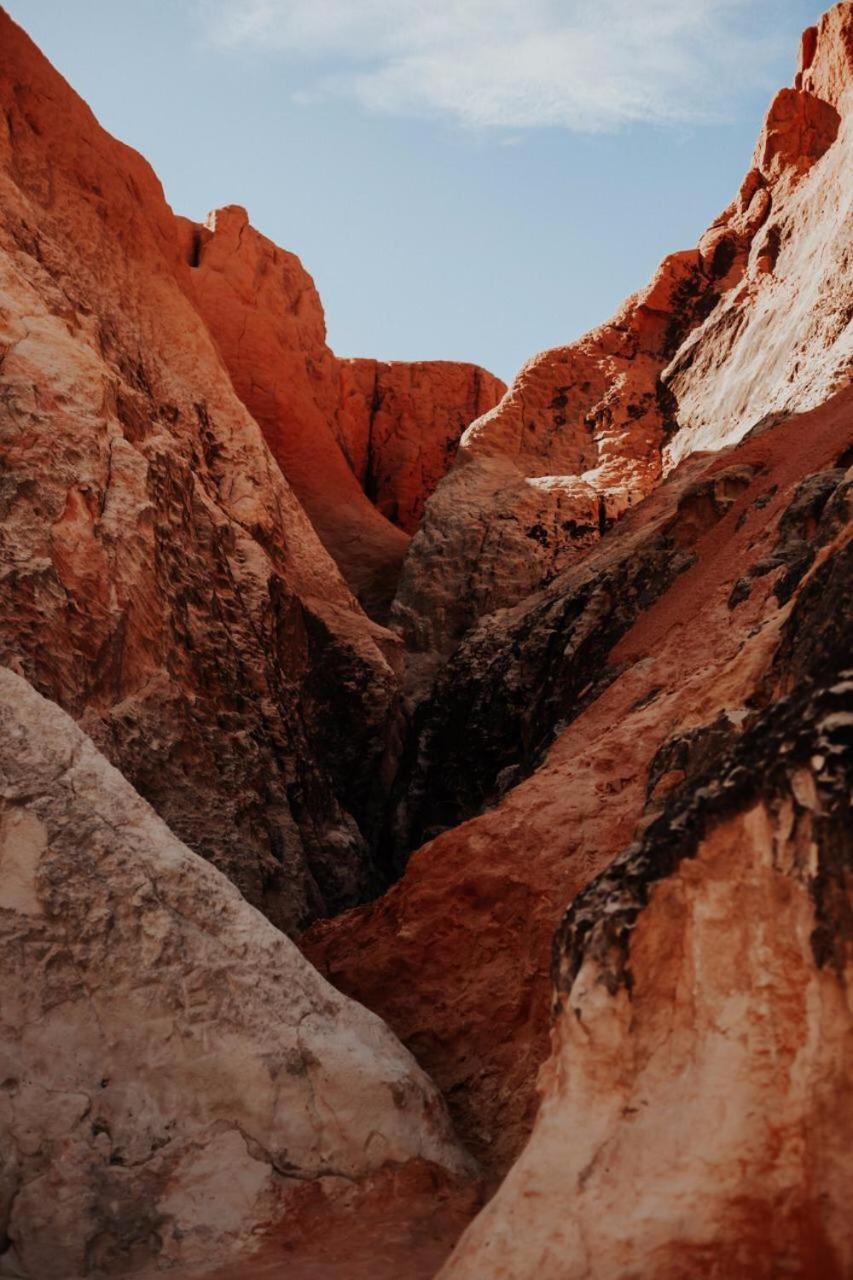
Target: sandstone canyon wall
610	714
161	580
697	1114
755	321
363	444
563	718
660	625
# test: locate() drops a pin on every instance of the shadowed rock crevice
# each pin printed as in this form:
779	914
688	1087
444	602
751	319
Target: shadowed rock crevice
523	676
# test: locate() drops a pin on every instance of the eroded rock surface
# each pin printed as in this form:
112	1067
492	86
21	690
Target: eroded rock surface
400	424
780	338
362	443
160	580
170	1063
262	309
573	709
634	586
754	322
697	1113
456	955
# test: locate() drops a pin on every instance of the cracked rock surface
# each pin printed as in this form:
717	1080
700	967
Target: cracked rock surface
169	1062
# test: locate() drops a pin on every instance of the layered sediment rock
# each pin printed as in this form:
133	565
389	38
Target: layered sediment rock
634	586
170	1063
558	710
456	955
400	424
160	580
262	309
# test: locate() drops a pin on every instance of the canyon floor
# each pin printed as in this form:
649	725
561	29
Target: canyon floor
425	835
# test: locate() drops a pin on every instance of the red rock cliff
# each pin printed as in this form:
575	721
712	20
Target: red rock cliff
362	444
752	322
161	581
556	721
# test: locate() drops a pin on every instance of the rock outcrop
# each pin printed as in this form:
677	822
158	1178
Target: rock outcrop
266	317
170	1063
619	742
363	444
533	749
753	322
697	1114
596	690
160	579
400	424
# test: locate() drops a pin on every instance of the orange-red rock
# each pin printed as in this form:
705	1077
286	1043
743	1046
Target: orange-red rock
160	580
262	309
400	424
363	444
628	610
163	582
697	1115
456	956
754	321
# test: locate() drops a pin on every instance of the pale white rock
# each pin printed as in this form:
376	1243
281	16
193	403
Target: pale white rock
168	1059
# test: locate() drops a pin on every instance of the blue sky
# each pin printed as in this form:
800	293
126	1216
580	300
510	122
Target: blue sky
465	179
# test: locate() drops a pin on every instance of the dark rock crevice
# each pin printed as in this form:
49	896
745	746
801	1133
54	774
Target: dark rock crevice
808	731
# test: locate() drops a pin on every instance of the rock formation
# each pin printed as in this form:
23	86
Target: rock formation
169	1061
755	321
697	1114
400	424
161	581
362	444
568	703
611	715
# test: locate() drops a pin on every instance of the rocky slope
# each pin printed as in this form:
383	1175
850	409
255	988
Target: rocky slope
754	321
618	741
599	689
659	626
697	1114
170	1062
160	580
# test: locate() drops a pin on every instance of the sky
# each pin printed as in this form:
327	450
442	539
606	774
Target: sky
464	179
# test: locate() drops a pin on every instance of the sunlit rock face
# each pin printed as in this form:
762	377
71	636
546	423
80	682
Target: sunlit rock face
755	321
780	336
161	581
171	1064
697	1115
575	711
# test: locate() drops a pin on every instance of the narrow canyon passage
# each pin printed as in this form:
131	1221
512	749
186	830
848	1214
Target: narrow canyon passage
425	843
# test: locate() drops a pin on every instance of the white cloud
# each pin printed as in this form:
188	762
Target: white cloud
581	64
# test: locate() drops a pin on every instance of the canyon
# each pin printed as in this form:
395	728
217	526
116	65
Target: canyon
425	845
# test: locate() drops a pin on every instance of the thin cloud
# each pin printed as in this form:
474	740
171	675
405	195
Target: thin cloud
516	64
